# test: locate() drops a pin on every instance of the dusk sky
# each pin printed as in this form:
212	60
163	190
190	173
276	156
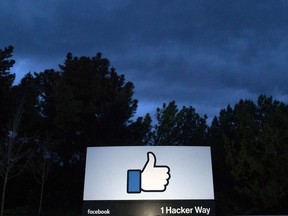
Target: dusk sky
201	53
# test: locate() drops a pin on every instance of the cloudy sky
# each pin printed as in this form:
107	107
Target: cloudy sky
201	53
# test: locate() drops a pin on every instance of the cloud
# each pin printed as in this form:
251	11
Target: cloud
207	54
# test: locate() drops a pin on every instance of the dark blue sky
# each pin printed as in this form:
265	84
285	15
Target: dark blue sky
206	54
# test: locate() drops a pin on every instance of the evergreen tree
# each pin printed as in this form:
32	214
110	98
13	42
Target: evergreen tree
6	92
255	144
179	127
94	104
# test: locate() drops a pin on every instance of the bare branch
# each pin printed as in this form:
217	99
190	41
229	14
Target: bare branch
12	153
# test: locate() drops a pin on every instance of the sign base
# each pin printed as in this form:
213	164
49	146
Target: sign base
149	207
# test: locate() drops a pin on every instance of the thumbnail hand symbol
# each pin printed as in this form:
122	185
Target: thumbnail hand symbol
153	177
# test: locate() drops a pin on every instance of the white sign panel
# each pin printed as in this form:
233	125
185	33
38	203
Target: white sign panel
148	173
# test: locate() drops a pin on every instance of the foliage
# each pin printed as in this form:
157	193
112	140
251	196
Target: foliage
6	81
93	106
85	103
140	131
178	127
6	78
255	138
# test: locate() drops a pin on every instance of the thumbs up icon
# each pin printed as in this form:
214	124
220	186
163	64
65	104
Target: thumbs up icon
151	178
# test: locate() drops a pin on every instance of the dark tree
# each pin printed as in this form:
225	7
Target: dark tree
28	94
42	161
13	154
93	105
6	81
6	78
140	131
47	82
179	127
86	104
254	138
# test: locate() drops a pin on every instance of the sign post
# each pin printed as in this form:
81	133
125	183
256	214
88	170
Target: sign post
148	181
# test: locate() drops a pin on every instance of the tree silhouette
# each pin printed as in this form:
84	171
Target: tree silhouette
255	141
178	127
94	105
6	81
42	161
13	155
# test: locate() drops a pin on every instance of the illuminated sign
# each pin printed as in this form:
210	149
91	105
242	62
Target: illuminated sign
154	180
